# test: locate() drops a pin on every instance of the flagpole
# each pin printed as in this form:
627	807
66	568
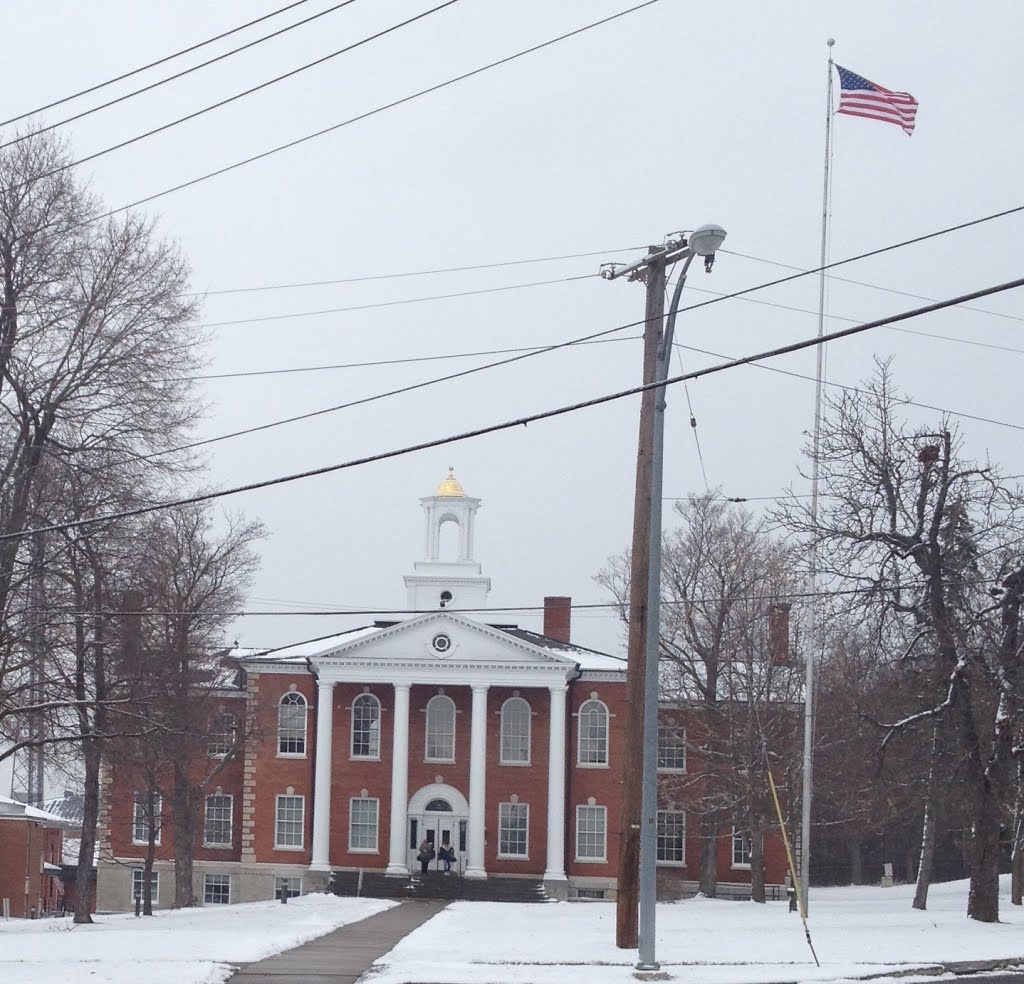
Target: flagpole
813	642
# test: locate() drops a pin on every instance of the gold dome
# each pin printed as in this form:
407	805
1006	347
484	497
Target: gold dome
450	486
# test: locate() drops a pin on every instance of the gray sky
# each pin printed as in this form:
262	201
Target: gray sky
679	114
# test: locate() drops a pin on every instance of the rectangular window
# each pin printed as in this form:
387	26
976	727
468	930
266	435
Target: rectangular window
591	833
138	880
221	738
513	830
216	889
671	836
740	848
141	818
294	886
671	748
362	825
288	824
217	823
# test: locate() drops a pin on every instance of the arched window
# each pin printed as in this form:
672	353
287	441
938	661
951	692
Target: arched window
440	729
366	727
291	724
515	732
593	734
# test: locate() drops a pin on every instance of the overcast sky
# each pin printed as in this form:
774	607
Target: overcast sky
679	114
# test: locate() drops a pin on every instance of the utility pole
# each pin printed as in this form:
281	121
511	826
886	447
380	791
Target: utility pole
627	899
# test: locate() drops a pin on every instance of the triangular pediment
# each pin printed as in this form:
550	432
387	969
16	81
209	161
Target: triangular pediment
440	639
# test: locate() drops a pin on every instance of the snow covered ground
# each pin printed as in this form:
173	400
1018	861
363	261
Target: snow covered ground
194	946
856	932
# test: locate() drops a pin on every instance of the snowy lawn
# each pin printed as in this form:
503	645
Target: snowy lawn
191	946
856	932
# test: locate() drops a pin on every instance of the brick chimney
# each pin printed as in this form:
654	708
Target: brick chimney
557	617
778	633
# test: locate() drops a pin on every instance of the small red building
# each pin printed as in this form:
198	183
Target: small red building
31	848
445	727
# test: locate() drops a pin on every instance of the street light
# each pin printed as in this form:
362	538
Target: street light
645	571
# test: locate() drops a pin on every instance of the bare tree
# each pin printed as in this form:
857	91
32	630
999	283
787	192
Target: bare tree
722	573
933	542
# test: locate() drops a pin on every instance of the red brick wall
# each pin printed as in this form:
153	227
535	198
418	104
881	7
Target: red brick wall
22	852
274	773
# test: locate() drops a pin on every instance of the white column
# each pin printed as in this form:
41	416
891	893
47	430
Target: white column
555	868
477	783
397	854
322	778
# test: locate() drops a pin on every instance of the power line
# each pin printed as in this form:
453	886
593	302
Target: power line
407	300
863	283
525	420
240	95
409	273
856	389
178	75
153	64
372	112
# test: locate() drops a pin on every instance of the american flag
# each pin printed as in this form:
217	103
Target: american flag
859	97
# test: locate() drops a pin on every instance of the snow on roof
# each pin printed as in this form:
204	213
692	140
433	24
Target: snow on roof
299	652
589	659
12	809
70	806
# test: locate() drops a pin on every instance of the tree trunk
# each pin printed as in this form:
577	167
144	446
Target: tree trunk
147	868
90	818
927	862
983	894
931	823
709	856
184	839
757	862
1017	876
853	847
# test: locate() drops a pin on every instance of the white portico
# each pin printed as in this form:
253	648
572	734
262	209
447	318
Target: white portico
445	652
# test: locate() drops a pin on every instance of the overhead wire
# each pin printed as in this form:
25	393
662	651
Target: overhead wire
154	64
240	95
521	421
172	78
373	112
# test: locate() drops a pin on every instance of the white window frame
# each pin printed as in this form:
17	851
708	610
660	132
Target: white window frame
580	737
596	811
744	840
437	701
505	812
503	758
279	884
278	845
679	862
289	700
230	821
353	849
222	879
373	755
139	820
137	876
679	744
221	736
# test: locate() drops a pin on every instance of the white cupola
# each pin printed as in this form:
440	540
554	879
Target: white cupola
448	576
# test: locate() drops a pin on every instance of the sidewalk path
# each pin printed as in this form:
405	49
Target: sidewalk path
344	955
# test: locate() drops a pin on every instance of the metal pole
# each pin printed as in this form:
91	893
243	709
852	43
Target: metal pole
649	795
813	635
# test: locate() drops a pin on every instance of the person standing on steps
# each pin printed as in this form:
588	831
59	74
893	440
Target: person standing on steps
447	855
426	855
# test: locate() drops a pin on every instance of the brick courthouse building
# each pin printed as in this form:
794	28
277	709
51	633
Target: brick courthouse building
504	742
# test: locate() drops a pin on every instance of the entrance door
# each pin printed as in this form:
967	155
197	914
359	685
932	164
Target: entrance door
438	824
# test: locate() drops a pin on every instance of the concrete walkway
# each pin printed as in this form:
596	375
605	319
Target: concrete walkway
343	955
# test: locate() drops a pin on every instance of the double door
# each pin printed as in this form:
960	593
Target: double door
437	828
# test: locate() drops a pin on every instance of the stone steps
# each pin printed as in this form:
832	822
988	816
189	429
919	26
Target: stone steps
437	885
